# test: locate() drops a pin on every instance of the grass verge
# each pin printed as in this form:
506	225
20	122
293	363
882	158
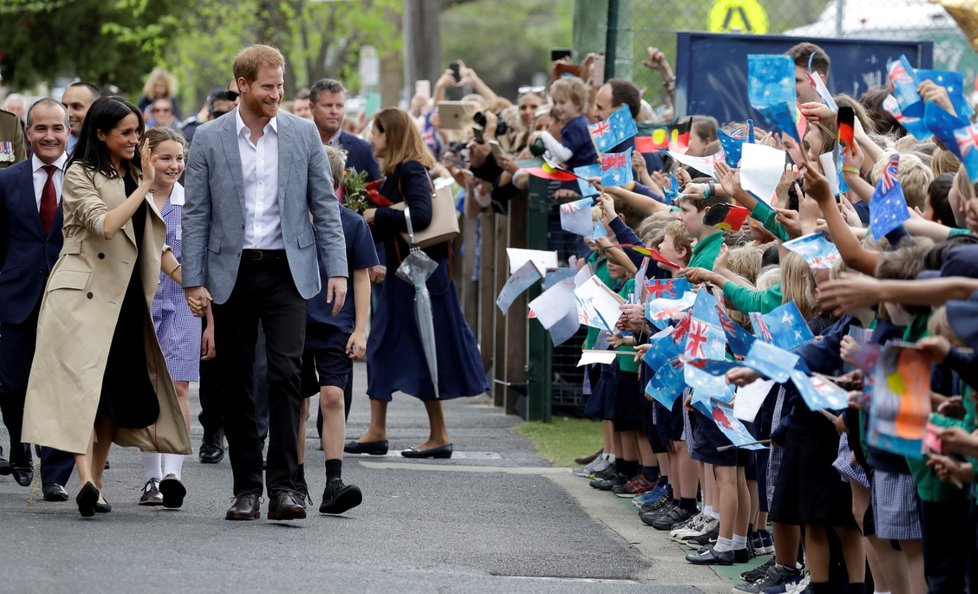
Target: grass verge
563	439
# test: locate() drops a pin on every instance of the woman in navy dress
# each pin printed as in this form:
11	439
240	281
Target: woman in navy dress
397	361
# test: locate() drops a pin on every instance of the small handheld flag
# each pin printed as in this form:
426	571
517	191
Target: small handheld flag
887	207
619	127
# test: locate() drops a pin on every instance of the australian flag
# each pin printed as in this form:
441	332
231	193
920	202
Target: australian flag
739	339
667	384
943	125
618	128
816	249
663	349
770	80
967	140
818	393
911	118
616	168
887	207
954	83
783	327
772	361
668	288
905	82
732	147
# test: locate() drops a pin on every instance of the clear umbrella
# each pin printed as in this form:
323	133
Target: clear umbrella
415	269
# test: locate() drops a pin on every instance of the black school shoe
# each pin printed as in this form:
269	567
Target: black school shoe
338	498
675	516
710	556
609	484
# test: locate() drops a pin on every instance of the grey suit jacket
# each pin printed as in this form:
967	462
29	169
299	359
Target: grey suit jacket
213	216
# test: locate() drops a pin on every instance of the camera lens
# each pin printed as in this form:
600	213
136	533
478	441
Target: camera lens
479	118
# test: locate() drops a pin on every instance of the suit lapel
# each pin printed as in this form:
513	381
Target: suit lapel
230	144
286	142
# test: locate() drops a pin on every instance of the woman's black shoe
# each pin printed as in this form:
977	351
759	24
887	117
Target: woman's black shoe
444	451
374	448
102	508
86	499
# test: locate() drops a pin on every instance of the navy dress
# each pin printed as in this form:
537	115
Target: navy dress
394	352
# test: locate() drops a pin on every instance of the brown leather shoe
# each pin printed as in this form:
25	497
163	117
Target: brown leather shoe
585	460
245	507
285	506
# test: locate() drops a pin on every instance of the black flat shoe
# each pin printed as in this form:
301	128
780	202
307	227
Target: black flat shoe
338	498
374	448
173	491
24	475
54	492
102	508
444	451
86	500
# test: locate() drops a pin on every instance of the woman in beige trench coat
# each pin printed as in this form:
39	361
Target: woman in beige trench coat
98	374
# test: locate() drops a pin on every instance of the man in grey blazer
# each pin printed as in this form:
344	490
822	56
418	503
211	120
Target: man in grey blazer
249	249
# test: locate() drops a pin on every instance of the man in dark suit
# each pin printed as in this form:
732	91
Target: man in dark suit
30	241
328	98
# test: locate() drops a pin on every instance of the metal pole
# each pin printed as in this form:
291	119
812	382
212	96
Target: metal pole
840	13
611	42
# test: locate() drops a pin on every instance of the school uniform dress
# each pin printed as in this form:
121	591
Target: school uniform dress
394	349
176	327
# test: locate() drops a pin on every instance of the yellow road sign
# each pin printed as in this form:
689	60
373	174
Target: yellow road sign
742	16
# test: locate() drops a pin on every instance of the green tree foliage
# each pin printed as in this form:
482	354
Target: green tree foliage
106	42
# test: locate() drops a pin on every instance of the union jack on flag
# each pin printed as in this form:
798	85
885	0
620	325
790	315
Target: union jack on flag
616	168
905	82
619	127
889	177
967	139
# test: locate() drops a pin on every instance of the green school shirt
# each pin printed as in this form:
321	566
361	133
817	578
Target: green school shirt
626	363
747	300
769	218
706	250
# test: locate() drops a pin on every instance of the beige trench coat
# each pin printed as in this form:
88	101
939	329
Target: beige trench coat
81	304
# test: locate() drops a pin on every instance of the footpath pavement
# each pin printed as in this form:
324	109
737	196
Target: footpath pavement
494	518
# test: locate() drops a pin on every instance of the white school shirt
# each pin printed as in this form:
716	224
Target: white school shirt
259	170
41	177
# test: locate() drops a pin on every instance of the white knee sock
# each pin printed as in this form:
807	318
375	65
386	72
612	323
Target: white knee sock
173	464
151	466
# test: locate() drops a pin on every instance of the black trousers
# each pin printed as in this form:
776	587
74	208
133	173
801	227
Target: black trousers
211	416
17	343
263	293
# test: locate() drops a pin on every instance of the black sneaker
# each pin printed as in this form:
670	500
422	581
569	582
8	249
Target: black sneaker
337	497
774	576
675	516
607	473
650	517
609	484
752	575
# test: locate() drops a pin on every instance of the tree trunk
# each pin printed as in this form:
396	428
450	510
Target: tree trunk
274	31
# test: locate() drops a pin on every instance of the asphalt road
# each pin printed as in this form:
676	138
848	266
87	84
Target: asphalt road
495	518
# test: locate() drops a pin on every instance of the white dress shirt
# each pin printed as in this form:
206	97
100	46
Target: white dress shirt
335	140
259	169
41	177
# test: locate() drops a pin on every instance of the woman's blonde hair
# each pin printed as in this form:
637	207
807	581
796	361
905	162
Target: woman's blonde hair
797	284
402	141
160	75
939	325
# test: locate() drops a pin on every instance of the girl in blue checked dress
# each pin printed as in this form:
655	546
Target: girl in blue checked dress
179	332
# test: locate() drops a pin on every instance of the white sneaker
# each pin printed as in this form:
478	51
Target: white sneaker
691	527
597	465
706	525
799	587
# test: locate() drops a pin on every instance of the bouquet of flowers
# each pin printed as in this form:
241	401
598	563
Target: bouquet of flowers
359	194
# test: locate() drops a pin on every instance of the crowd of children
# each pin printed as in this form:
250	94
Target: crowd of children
821	489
